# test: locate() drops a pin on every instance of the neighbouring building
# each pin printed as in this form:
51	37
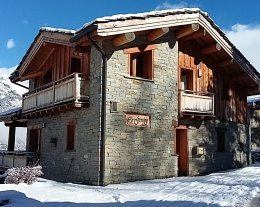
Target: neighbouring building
254	111
135	96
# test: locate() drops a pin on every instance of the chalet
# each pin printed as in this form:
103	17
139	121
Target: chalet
136	96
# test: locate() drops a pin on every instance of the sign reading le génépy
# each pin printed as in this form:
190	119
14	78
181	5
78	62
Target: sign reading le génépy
137	120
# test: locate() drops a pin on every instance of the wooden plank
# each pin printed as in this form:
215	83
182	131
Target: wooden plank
62	62
58	60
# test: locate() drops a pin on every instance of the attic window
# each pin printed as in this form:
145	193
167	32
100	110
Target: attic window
141	62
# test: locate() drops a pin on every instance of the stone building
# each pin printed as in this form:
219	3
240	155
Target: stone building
136	96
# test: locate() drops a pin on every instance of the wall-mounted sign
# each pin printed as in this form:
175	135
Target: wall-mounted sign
137	120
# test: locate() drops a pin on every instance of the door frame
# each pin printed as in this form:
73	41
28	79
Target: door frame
182	127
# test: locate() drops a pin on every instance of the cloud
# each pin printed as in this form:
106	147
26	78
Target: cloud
10	44
246	39
167	5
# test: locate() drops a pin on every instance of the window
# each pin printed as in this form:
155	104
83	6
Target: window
221	141
34	140
141	62
70	136
186	79
75	65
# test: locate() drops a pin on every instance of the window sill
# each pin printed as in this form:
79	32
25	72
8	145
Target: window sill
140	79
70	150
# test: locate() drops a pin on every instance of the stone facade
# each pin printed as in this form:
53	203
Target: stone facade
204	134
81	164
136	153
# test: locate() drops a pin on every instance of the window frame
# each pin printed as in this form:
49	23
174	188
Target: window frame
70	141
135	51
79	58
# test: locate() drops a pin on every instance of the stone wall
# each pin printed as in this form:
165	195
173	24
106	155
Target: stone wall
137	153
255	130
81	164
204	134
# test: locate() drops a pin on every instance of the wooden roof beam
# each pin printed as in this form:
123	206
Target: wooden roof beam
225	63
155	34
123	39
195	35
186	30
211	49
31	75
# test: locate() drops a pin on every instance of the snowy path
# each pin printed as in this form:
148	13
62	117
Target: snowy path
233	188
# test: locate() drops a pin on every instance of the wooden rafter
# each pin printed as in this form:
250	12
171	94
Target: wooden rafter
195	35
155	34
123	39
186	30
31	75
226	63
239	77
211	49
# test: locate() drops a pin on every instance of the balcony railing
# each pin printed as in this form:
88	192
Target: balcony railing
9	159
71	88
196	102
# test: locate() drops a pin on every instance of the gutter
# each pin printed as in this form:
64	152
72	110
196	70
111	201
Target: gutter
101	176
19	84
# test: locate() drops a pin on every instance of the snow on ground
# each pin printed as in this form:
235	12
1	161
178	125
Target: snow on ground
231	188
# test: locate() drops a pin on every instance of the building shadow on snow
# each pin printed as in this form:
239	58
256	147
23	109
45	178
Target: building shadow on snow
15	198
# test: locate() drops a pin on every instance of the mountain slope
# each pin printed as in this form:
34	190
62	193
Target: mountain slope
9	98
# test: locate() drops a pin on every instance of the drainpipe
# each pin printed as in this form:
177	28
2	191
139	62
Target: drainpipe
103	113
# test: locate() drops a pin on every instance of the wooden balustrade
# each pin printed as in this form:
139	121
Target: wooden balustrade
71	88
196	102
9	159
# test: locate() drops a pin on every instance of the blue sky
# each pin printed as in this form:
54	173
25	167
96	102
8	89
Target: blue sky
20	20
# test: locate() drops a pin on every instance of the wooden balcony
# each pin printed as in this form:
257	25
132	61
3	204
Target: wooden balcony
9	159
191	102
73	88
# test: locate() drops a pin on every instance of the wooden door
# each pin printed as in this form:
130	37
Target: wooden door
34	140
181	143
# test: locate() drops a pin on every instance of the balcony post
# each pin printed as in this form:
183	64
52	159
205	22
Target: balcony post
11	138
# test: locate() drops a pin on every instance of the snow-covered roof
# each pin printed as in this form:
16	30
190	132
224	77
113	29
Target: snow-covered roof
41	32
122	23
121	17
14	112
59	30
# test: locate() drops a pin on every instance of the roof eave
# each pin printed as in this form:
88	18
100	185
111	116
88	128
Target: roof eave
35	45
109	28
